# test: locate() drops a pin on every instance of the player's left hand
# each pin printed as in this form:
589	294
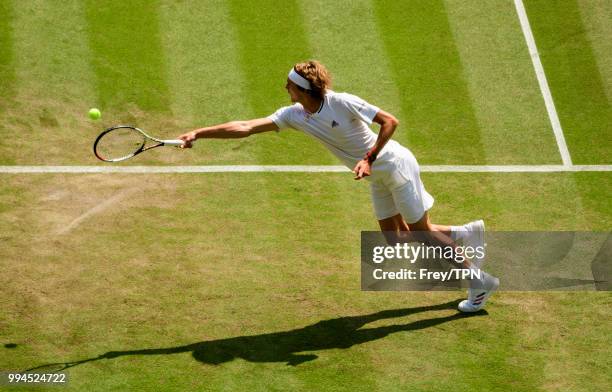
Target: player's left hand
362	169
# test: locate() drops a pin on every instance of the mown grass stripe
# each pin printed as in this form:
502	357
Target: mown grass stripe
52	54
7	78
53	85
271	38
361	67
204	75
128	61
597	16
436	106
268	48
502	86
574	79
205	80
7	72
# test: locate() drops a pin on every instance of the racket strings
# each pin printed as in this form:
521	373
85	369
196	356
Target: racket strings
120	143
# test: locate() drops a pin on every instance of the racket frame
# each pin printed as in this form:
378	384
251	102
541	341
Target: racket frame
142	148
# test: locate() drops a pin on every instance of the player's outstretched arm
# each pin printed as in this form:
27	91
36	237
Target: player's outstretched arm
229	130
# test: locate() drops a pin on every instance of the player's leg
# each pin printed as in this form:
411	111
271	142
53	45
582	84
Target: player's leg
395	227
481	287
389	219
398	223
395	223
413	202
454	232
426	232
391	222
406	175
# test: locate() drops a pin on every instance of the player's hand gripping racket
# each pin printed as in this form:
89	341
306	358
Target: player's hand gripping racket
122	142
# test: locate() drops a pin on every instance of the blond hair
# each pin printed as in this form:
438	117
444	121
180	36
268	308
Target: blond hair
317	75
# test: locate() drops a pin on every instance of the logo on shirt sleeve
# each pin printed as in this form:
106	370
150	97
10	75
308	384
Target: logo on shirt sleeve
334	124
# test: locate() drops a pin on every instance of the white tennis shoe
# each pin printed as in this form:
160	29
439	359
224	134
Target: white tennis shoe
479	293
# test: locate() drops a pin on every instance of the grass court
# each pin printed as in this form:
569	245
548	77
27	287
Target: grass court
250	281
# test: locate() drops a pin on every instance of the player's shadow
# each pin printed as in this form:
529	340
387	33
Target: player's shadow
287	346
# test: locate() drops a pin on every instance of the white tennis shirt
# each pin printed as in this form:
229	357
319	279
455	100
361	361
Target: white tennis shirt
341	124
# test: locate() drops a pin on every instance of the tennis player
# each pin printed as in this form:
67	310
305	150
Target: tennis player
341	122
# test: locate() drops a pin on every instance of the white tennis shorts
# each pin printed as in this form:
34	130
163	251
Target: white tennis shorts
397	188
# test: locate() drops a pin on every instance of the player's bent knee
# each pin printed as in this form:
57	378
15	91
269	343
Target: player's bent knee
389	224
421	225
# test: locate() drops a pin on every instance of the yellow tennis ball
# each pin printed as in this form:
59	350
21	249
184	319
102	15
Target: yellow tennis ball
94	114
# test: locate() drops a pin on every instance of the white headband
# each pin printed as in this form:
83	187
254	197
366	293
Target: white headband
299	79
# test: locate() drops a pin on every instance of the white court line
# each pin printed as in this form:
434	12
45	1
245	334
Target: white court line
515	168
539	70
298	169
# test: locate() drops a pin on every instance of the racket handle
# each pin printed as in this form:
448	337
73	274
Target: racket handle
173	142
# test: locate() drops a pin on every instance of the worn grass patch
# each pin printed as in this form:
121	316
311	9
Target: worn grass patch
198	280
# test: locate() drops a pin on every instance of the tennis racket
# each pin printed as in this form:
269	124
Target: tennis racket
122	142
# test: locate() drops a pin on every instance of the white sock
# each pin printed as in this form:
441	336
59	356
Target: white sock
457	232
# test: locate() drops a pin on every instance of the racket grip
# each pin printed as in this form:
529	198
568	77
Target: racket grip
176	142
